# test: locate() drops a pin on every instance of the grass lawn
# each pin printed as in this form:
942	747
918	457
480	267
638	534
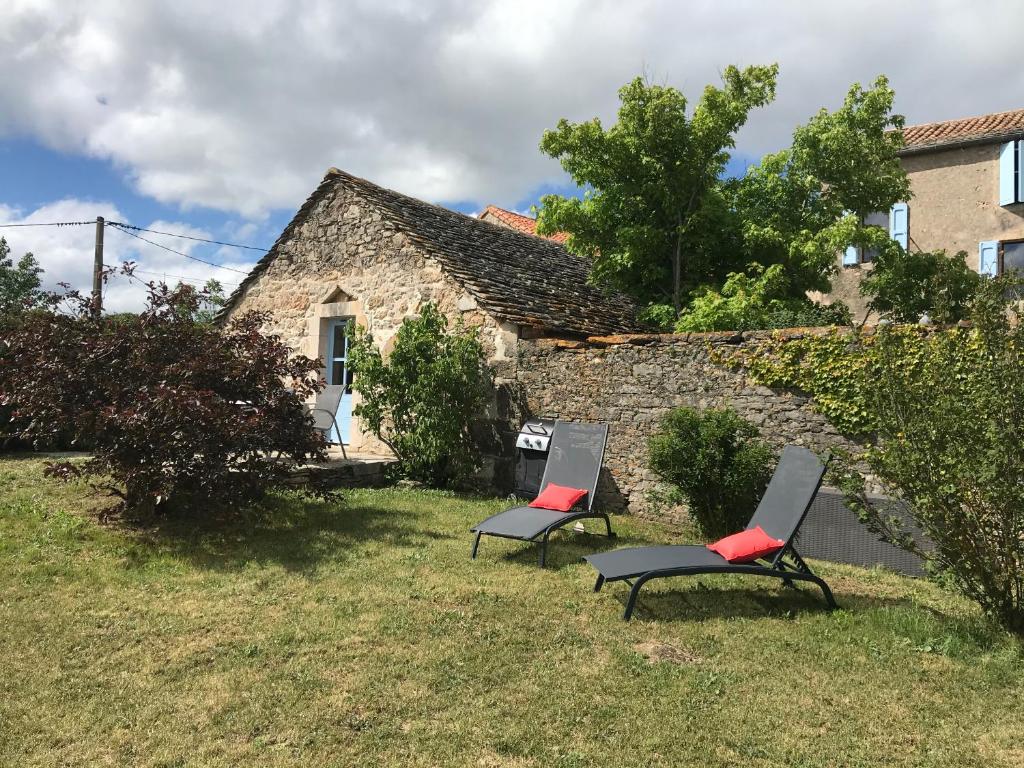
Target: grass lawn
361	634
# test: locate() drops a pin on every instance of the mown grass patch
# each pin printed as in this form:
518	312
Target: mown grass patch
360	633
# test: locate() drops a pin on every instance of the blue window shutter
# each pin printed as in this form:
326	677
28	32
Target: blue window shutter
988	258
899	224
851	256
1020	171
1007	173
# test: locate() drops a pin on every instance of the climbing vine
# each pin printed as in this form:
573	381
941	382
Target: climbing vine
831	368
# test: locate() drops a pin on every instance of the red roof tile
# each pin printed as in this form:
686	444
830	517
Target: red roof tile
521	223
966	130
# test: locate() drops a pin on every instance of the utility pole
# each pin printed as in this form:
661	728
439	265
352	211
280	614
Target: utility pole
97	271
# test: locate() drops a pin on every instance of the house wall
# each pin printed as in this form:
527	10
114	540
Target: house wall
956	201
953	208
631	382
347	259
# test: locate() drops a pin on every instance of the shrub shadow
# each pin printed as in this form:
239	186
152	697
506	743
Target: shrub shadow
296	533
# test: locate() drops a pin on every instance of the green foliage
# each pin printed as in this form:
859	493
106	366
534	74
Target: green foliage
211	299
716	464
177	415
19	284
757	300
659	317
802	206
422	400
832	368
652	218
949	441
904	285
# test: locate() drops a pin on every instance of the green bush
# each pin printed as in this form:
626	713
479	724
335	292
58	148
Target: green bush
950	443
716	465
903	286
422	400
757	301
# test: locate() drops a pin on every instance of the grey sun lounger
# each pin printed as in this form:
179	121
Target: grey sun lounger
575	455
782	509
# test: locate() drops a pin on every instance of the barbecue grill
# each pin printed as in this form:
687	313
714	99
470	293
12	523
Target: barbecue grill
532	455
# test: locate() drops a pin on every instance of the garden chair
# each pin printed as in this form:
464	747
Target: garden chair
325	414
779	514
575	456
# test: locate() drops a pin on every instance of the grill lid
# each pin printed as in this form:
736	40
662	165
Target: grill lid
535	434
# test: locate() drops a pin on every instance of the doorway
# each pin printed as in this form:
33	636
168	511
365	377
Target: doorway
338	373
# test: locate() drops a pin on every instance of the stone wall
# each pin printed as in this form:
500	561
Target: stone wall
630	382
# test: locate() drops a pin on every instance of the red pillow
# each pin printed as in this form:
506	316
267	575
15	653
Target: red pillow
746	546
558	497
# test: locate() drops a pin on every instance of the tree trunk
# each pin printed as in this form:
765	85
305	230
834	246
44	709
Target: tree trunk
677	271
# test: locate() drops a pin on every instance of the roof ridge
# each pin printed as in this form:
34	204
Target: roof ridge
962	119
516	276
337	172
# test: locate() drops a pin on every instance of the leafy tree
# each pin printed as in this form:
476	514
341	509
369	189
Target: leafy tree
716	464
653	215
423	399
949	421
19	284
211	299
757	300
802	206
176	413
904	285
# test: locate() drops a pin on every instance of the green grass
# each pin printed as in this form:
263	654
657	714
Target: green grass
361	634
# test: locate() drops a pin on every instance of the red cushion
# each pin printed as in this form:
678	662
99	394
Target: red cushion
746	546
558	497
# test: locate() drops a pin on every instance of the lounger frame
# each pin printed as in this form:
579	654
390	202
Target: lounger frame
560	519
786	565
798	570
545	534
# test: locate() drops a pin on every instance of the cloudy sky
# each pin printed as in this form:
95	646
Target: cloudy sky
218	119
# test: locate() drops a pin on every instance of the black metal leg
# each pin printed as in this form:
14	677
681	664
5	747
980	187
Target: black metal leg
544	549
476	543
829	597
608	526
633	593
599	584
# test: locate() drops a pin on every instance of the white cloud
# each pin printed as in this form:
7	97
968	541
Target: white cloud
67	253
242	106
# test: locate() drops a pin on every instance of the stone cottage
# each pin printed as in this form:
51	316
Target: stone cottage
967	189
356	252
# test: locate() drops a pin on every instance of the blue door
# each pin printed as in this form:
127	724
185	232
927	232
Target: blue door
338	373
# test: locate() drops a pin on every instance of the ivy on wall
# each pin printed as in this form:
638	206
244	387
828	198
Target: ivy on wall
831	368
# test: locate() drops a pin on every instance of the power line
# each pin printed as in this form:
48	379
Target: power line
192	279
179	253
52	224
187	237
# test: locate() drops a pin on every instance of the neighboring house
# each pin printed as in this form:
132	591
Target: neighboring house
968	195
518	222
356	252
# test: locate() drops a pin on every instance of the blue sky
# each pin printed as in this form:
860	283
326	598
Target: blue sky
217	120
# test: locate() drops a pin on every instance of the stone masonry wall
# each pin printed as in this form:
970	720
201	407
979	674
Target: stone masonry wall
630	382
348	260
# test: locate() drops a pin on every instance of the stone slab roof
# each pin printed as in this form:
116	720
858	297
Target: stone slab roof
520	222
968	130
523	279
